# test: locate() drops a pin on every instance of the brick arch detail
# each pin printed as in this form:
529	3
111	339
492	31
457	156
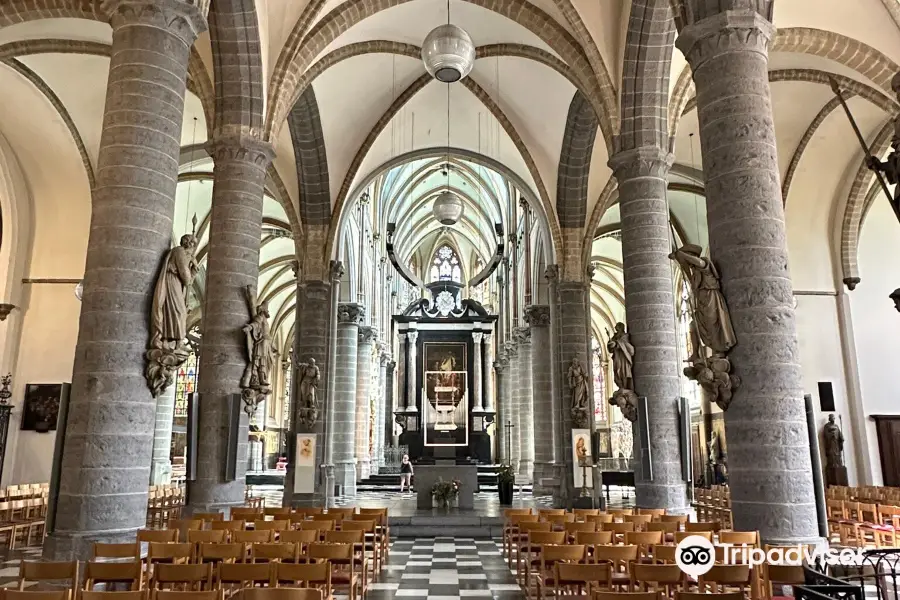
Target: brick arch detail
302	48
312	163
575	163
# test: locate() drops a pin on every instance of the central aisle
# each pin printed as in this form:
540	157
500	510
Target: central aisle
445	568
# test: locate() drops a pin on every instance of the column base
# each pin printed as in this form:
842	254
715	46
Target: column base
672	497
526	470
345	477
545	482
204	507
160	472
67	547
363	469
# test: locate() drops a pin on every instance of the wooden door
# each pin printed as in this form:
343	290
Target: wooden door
888	427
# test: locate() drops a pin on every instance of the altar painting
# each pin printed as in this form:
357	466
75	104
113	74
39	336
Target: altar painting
445	407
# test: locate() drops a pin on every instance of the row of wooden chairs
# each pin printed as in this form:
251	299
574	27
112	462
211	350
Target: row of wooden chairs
247	593
874	494
24	491
713	504
165	502
863	524
23	520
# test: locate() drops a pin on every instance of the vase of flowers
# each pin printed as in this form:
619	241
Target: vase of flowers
505	480
445	493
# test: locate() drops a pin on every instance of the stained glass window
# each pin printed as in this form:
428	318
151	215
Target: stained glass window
185	384
600	403
445	265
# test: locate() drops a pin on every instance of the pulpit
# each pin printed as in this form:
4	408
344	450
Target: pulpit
428	475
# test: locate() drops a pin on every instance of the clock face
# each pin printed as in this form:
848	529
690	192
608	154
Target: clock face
79	290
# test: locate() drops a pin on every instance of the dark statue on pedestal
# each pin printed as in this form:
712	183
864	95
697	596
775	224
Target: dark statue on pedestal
622	352
835	471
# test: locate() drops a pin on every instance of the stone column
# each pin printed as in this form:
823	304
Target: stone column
551	274
350	317
571	315
650	309
538	319
726	44
315	314
106	465
232	264
512	416
411	337
389	402
526	404
363	384
501	366
487	371
161	467
380	410
477	361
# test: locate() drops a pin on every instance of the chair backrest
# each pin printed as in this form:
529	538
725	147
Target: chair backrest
664	526
330	551
664	554
358	525
539	538
252	537
559	519
739	537
273	551
643	573
727	575
357	536
552	554
572	528
277	511
516	519
786	574
593	537
244	573
680	520
680	535
581	513
589	575
219	552
309	510
317	525
617	527
644	538
278	525
282	594
37	595
233	525
112	572
196	575
628	596
206	536
709	596
303	573
620	556
531	526
654	512
639	520
116	550
169	552
343	513
190	595
246	513
47	571
703	526
157	535
209	516
621	512
302	536
600	518
92	595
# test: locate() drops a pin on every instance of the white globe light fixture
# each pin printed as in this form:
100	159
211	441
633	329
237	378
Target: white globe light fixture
448	53
447	208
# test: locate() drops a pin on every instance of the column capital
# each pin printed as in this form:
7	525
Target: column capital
646	161
522	335
336	270
412	335
367	334
551	274
537	315
184	18
707	36
511	350
477	336
351	314
241	147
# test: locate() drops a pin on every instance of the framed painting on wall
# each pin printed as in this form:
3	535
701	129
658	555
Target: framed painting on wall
40	410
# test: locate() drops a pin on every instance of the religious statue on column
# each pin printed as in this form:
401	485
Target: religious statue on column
621	350
256	380
168	347
307	393
577	380
712	334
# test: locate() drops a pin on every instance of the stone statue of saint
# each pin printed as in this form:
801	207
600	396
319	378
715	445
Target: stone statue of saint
168	321
834	443
710	312
577	380
307	391
168	315
622	353
256	382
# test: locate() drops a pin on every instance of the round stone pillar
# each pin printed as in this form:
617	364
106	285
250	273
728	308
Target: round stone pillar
477	361
501	368
650	310
232	266
526	404
411	371
161	468
105	472
512	416
380	408
544	417
726	44
350	317
363	385
487	363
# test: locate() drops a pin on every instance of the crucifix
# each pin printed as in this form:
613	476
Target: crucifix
509	427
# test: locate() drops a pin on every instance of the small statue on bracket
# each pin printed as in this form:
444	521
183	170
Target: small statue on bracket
307	393
712	335
578	383
621	350
256	382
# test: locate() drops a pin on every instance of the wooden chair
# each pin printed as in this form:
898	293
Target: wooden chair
231	576
129	573
246	513
252	537
532	549
513	518
619	530
169	552
39	572
599	519
7	526
680	535
546	568
627	596
575	578
559	521
644	540
157	535
206	536
835	514
668	529
282	594
189	595
355	538
132	551
572	528
320	526
886	529
233	525
520	538
665	578
709	526
184	525
273	552
775	575
216	553
185	577
621	558
592	539
739	538
370	542
679	520
341	557
312	575
37	595
209	516
621	512
382	528
277	511
726	576
664	554
543	513
302	538
640	521
581	514
653	512
708	596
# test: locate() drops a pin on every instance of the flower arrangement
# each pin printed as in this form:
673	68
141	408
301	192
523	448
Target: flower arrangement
444	492
505	474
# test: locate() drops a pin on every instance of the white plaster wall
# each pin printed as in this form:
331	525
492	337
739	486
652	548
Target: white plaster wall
876	323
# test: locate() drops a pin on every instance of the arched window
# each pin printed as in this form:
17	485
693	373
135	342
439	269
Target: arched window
445	265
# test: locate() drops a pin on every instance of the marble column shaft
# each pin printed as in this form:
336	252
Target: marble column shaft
312	334
380	411
501	367
105	474
769	468
343	424
543	415
363	407
411	384
650	309
477	379
389	402
526	404
161	468
487	372
512	386
232	264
